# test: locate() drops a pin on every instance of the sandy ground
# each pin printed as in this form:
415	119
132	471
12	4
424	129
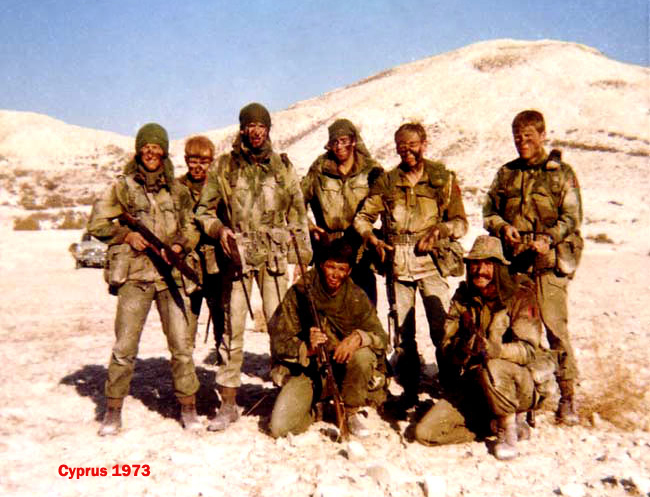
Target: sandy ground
55	339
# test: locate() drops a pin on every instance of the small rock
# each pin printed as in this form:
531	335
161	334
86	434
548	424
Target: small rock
573	490
380	474
434	485
596	420
641	483
356	451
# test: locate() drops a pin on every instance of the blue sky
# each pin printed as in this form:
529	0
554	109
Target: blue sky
192	64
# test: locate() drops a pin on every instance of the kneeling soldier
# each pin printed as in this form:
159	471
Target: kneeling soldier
351	334
493	338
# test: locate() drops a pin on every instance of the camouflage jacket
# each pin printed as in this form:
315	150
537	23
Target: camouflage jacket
347	312
261	202
167	212
335	199
514	324
542	198
194	189
435	200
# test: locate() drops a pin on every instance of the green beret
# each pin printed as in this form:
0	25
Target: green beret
152	133
254	113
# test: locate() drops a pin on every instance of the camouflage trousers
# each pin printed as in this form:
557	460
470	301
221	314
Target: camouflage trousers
496	389
552	300
133	304
231	350
292	411
434	292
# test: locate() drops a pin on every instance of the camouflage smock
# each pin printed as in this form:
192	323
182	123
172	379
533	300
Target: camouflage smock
434	200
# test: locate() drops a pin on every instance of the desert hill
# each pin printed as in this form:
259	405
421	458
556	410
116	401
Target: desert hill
597	111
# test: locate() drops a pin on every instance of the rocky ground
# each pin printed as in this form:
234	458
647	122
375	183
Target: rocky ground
56	335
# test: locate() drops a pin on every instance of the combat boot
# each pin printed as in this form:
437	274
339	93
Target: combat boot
355	423
228	412
523	429
112	422
189	418
566	412
506	446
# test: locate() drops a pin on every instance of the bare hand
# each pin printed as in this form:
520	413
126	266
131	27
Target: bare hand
317	232
541	245
176	248
380	246
137	241
428	242
316	338
347	348
225	234
511	235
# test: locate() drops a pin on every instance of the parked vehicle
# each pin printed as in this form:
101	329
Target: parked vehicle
89	252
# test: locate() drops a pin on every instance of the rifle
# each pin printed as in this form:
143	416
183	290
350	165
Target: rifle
157	246
386	228
322	360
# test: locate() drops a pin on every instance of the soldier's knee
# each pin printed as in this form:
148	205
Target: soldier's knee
363	359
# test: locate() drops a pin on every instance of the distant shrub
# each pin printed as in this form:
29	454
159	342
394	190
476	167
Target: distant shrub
497	62
72	220
18	173
26	224
610	83
600	238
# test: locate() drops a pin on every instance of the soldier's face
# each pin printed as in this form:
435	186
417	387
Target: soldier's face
342	148
410	147
197	166
151	156
529	142
335	273
255	134
481	273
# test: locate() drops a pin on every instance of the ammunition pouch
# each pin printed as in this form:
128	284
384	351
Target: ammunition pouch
448	256
209	257
543	371
193	261
568	254
116	271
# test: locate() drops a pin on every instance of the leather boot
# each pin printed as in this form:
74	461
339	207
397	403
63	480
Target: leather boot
566	412
112	422
506	446
523	429
228	412
355	423
189	418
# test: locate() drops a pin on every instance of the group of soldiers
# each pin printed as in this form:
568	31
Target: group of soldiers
502	344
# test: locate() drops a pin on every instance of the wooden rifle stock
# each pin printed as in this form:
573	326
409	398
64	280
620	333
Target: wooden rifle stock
157	246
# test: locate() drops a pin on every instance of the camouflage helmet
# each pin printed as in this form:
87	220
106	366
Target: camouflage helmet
486	247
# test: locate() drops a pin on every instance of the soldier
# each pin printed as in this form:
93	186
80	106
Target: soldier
492	337
147	191
251	201
534	206
353	338
422	212
335	187
199	155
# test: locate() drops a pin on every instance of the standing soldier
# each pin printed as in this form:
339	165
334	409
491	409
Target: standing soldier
335	187
251	201
199	155
422	209
139	277
534	206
